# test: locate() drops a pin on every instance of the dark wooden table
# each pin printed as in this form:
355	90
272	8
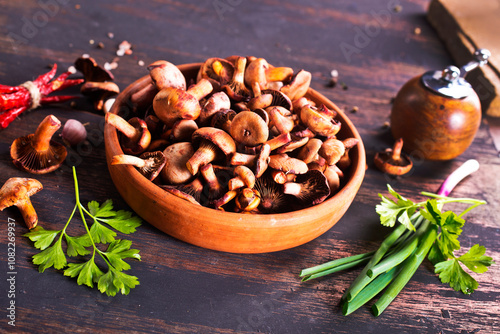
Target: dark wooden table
187	289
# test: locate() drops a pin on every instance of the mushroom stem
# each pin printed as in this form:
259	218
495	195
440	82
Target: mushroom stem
123	126
208	173
125	159
396	149
279	141
207	152
201	89
44	133
28	212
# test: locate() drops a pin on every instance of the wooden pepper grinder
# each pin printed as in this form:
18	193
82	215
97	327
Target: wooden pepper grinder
438	113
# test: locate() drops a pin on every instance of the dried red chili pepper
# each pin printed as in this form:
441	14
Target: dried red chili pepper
32	94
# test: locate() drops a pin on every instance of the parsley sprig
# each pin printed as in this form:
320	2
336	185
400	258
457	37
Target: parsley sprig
85	247
424	230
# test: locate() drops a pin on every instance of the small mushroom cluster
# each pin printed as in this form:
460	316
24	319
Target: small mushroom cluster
239	137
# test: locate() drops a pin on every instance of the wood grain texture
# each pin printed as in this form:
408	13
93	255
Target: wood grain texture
187	289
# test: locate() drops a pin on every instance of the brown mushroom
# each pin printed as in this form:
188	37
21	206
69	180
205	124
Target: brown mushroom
223	119
249	129
309	152
135	134
98	84
298	85
218	71
310	188
332	150
332	177
149	164
261	72
248	199
236	88
287	164
272	198
281	119
345	160
183	129
212	144
225	199
176	156
244	177
268	98
216	102
279	141
191	192
172	104
320	123
16	191
99	92
37	153
165	74
393	161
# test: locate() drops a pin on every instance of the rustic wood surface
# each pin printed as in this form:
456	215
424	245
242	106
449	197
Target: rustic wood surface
187	289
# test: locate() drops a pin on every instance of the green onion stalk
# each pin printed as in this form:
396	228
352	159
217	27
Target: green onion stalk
393	264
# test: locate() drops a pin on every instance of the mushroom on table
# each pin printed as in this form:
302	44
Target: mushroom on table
17	191
37	153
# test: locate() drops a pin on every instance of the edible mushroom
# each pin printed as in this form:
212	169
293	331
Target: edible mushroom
249	129
165	74
287	164
236	88
191	192
247	200
310	188
176	156
319	121
244	177
37	153
212	144
218	71
393	161
149	164
272	198
16	191
298	85
171	104
135	134
216	102
332	150
261	72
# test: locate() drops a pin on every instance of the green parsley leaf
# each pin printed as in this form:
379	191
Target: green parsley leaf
435	254
452	273
43	238
119	250
400	210
88	272
102	234
76	245
104	210
475	260
52	256
114	281
124	222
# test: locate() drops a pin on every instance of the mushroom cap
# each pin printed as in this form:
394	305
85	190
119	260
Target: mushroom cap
92	71
176	156
165	74
140	144
16	189
248	128
279	99
27	158
313	188
218	137
287	164
218	101
155	161
218	71
318	122
298	86
222	119
385	162
171	104
309	152
332	150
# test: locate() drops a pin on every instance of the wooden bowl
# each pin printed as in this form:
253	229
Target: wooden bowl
228	231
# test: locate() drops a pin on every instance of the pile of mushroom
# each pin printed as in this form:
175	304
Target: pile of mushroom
241	137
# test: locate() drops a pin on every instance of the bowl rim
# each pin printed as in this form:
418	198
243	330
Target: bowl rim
224	218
